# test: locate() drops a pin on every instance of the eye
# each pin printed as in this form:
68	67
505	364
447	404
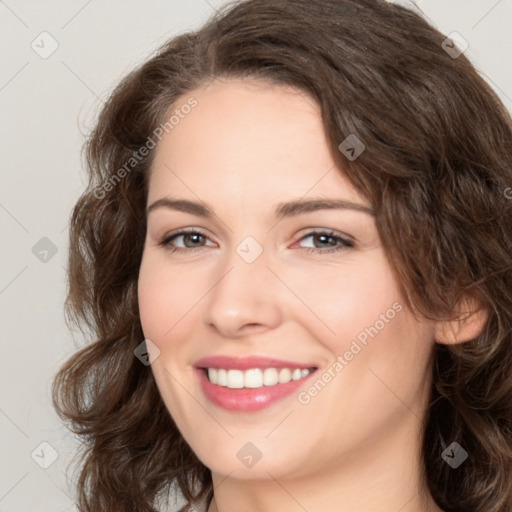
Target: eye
192	236
193	239
329	242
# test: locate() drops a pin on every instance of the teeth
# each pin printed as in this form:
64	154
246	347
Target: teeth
222	377
285	375
212	375
297	374
270	377
255	377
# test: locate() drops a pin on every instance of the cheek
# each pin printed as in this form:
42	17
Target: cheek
169	299
158	295
343	301
150	304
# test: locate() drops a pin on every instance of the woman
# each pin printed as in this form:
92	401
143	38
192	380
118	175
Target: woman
295	255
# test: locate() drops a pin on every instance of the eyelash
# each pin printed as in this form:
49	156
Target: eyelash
345	243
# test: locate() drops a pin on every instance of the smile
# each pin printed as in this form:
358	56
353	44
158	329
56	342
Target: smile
255	377
249	384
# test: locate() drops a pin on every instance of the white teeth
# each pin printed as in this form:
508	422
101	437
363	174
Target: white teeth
255	377
285	375
297	374
212	375
235	379
270	377
222	377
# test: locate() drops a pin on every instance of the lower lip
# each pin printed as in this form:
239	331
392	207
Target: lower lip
247	399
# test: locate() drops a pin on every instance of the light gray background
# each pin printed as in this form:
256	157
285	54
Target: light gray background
46	107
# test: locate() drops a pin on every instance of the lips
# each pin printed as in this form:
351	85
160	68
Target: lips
246	363
222	380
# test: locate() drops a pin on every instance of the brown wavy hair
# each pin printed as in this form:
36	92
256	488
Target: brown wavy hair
436	169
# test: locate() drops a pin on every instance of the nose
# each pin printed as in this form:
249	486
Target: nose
244	298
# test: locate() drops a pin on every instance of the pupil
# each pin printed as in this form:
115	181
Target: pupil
324	239
194	237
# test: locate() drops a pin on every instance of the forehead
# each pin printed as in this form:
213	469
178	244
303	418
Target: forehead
249	140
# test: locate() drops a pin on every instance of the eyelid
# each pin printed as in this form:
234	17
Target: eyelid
165	239
333	232
345	241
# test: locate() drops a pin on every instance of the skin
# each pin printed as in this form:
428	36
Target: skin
355	446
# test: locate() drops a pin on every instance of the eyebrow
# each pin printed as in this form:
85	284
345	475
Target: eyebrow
282	210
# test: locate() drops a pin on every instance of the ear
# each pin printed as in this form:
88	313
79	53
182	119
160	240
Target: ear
469	321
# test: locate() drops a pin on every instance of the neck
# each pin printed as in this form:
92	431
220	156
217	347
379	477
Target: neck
383	475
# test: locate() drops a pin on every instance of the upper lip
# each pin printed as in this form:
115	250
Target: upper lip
246	363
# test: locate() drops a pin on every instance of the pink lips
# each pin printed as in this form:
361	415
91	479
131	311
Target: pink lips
247	399
246	363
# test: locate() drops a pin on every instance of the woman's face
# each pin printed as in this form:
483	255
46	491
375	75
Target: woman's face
261	297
